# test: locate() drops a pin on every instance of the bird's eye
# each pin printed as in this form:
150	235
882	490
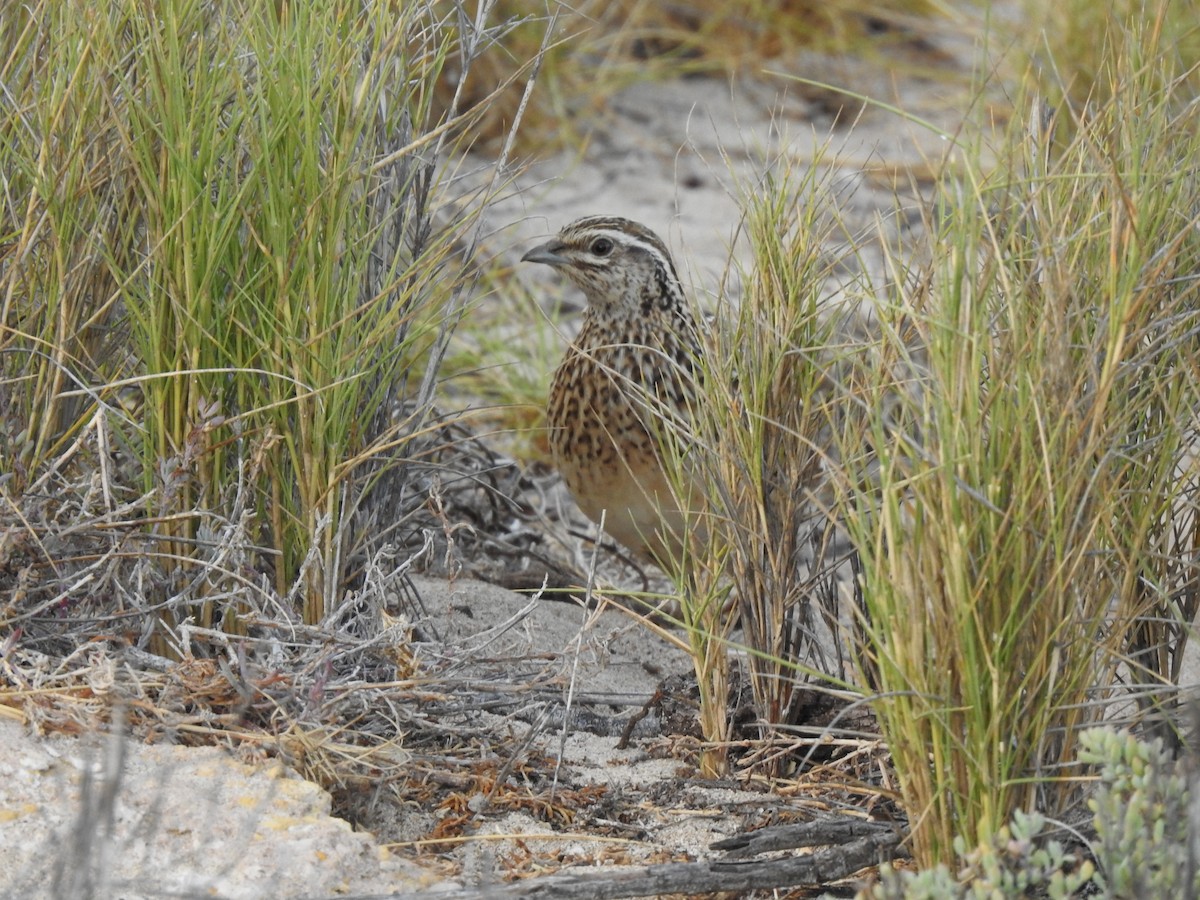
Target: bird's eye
602	246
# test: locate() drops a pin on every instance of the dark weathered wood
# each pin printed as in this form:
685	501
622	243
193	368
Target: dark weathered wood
821	867
821	833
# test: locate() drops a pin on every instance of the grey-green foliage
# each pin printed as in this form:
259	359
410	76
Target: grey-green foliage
1142	819
1014	864
1142	822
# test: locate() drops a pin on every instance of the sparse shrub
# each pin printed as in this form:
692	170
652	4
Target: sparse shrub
1143	819
1144	844
1013	864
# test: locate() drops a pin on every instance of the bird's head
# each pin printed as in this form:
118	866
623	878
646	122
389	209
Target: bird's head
619	265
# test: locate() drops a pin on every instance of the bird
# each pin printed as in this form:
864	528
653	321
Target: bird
626	386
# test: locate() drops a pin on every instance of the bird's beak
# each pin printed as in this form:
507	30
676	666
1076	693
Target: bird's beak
549	253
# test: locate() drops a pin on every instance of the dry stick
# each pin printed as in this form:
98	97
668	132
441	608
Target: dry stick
627	732
518	755
587	602
822	832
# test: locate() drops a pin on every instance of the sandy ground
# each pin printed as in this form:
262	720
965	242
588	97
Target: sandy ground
682	156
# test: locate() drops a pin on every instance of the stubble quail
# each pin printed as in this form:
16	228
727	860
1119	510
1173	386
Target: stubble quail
627	381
